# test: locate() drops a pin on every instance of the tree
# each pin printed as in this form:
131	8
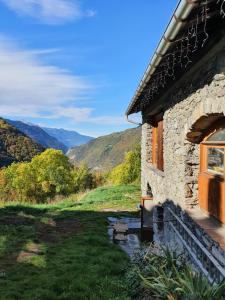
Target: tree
47	175
52	170
130	170
82	178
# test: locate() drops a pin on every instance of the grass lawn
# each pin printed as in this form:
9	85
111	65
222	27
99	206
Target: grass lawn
62	250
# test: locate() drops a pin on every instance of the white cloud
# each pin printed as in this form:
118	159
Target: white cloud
31	89
49	11
84	115
28	85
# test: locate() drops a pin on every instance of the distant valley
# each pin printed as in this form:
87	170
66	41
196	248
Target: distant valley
68	137
60	139
105	152
21	141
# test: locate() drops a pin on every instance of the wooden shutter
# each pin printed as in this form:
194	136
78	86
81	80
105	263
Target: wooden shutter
154	145
160	162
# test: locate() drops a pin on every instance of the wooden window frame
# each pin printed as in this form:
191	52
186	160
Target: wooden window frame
205	144
211	188
157	143
204	157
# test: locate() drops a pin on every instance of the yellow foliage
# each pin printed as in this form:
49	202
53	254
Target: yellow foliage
129	171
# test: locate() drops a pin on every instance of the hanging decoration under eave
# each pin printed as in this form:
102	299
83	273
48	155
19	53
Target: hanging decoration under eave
194	38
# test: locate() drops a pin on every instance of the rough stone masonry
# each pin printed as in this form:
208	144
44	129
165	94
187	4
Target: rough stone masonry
195	102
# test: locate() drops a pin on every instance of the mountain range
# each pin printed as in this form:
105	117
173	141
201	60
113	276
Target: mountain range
20	141
15	146
105	152
51	137
68	137
39	135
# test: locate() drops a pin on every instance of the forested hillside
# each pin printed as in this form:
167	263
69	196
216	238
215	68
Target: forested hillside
15	146
39	135
107	151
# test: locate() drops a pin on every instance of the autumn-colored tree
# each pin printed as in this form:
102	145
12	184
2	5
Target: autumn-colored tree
47	175
20	180
52	171
82	178
130	170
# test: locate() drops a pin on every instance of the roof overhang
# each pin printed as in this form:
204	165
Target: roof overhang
188	31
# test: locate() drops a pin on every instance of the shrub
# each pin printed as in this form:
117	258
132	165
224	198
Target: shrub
99	178
130	170
163	275
82	179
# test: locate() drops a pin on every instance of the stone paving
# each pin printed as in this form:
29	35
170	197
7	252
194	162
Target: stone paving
124	232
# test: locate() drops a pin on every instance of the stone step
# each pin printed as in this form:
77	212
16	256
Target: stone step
120	238
119	227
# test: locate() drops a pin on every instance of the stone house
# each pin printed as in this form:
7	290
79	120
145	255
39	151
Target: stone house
182	101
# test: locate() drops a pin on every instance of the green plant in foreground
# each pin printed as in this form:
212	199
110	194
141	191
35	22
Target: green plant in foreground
164	275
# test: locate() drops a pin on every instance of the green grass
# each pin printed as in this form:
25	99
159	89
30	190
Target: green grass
122	197
62	250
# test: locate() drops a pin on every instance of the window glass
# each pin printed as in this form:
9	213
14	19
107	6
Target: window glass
218	136
216	160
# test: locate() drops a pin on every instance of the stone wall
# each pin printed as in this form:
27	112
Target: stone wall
193	103
150	176
165	235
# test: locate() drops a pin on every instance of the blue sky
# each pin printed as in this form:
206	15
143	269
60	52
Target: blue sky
76	64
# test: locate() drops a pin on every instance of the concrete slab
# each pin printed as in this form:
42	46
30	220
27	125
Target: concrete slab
129	242
118	227
131	246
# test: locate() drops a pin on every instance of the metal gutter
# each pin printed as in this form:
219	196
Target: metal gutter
180	15
132	122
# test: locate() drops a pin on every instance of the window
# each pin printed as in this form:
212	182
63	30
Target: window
157	144
218	136
214	150
215	160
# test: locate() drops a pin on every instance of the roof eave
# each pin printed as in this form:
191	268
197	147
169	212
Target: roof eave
180	14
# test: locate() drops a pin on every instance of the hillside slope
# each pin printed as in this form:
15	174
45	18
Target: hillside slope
107	151
39	135
68	137
15	146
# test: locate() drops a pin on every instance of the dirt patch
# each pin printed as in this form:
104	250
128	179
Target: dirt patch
35	248
32	250
51	231
55	231
25	256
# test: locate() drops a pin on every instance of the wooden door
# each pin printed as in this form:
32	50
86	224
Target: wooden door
212	175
